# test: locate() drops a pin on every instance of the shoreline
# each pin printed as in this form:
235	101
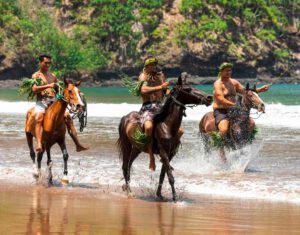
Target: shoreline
194	80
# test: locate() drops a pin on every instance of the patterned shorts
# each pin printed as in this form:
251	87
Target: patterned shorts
148	111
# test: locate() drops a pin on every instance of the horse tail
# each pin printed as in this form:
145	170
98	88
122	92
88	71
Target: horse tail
123	142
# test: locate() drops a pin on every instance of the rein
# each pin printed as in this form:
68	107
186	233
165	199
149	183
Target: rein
179	104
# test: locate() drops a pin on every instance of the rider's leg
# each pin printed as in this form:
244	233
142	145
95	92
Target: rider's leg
223	130
223	127
29	120
180	132
251	124
73	133
39	117
148	125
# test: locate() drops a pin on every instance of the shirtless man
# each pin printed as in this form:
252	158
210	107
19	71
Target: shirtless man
152	90
224	91
45	97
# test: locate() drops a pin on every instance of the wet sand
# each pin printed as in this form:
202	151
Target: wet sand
34	209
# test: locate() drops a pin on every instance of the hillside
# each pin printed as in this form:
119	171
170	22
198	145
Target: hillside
100	40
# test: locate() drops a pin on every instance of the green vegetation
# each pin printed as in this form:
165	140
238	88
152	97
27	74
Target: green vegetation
234	22
88	36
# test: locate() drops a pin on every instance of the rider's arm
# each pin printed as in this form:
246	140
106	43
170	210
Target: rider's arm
38	89
219	97
147	89
263	88
239	87
163	79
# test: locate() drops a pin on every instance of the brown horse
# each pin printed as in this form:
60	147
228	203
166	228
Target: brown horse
165	132
54	129
239	117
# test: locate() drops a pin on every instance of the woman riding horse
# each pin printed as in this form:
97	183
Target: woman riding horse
165	132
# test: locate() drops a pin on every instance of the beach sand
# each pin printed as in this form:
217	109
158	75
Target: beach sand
34	209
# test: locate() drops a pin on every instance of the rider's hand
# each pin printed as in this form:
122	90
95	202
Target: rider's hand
264	88
53	85
165	85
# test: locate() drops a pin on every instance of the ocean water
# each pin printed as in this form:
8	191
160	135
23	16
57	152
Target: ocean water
269	169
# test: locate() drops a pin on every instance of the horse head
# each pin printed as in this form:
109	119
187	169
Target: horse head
187	94
71	95
252	100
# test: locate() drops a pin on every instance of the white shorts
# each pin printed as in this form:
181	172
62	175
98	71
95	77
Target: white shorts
42	105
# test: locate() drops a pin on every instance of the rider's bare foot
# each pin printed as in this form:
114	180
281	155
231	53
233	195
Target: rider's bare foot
81	148
39	149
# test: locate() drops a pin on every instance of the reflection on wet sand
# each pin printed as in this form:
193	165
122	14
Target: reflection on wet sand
36	210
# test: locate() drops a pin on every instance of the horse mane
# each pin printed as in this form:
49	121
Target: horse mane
164	111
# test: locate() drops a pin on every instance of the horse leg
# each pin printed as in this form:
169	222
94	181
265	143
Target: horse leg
222	154
39	163
127	166
161	181
49	166
29	138
62	145
168	169
205	139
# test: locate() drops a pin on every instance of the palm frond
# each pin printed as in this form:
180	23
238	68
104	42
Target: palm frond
134	87
26	85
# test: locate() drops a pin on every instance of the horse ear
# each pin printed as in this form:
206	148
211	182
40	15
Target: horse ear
77	83
179	81
184	76
247	86
66	82
254	87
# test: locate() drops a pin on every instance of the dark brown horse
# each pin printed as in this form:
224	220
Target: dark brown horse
54	128
165	133
239	119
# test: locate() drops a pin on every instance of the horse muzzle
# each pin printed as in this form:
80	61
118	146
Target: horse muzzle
76	108
261	108
208	100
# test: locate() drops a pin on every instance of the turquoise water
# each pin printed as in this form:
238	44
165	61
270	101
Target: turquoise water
287	94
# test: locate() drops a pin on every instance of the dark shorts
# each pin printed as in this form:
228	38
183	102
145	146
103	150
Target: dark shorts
219	115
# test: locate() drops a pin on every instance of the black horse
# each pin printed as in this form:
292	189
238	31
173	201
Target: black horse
165	133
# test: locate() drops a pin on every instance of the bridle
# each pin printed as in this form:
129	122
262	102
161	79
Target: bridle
184	106
82	115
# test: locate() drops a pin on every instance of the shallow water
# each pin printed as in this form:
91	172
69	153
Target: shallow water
271	163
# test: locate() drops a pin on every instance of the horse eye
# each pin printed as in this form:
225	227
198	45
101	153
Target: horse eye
70	92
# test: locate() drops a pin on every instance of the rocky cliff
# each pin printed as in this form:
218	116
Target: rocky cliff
100	40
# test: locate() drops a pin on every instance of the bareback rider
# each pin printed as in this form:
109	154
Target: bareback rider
45	97
224	92
152	89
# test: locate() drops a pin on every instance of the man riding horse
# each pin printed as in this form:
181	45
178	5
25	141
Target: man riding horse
153	88
225	90
46	95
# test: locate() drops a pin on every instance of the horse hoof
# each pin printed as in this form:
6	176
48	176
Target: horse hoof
35	171
130	195
160	197
124	187
65	181
175	198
